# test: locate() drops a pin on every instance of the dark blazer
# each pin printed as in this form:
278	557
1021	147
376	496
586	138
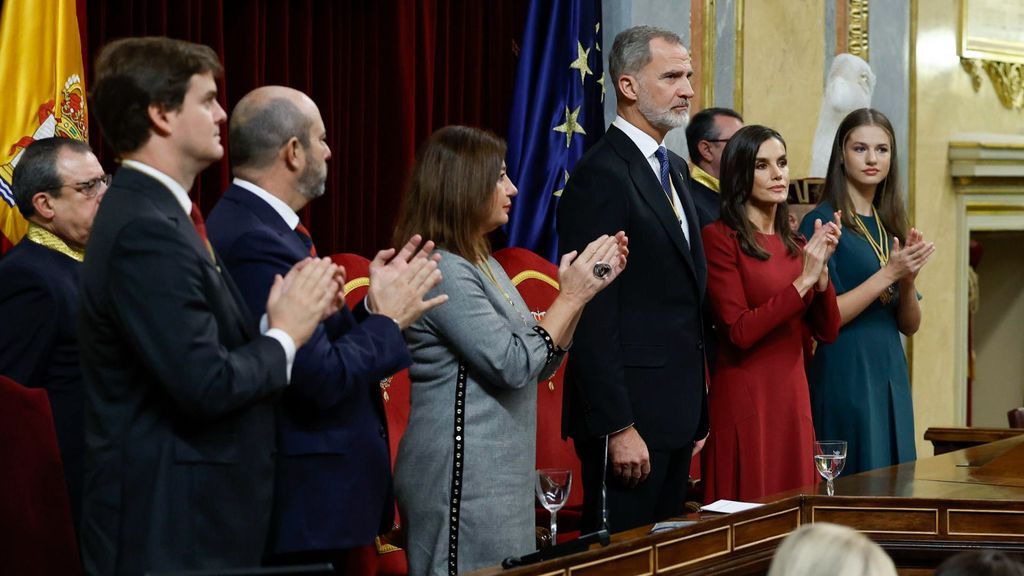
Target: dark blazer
39	343
179	395
333	467
709	209
637	356
707	202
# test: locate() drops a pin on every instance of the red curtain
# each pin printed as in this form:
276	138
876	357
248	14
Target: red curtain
384	74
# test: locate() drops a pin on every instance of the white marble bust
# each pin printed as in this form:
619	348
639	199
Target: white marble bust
849	87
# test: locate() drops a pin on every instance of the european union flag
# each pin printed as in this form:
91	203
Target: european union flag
557	113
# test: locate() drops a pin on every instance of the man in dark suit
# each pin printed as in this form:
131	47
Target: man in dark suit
179	383
58	184
706	136
333	470
635	375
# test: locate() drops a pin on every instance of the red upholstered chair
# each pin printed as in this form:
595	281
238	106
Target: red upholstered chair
385	558
37	534
537	282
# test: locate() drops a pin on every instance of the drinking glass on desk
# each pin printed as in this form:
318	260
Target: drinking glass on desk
829	459
553	485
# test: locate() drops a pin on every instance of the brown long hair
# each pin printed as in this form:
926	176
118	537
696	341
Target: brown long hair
451	189
888	201
737	184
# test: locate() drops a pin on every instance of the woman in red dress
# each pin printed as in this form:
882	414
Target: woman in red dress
764	283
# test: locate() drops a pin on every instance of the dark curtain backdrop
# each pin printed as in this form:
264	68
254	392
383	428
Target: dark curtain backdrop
385	75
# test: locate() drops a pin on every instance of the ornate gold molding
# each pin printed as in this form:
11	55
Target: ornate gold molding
857	28
710	40
737	91
1007	79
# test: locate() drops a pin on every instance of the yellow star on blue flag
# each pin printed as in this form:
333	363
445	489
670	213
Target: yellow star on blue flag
571	125
580	63
557	113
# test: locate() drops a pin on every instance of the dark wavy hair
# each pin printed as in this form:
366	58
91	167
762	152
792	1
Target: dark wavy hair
888	201
737	183
451	190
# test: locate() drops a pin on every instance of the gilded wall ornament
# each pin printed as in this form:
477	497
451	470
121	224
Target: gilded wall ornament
1007	79
857	28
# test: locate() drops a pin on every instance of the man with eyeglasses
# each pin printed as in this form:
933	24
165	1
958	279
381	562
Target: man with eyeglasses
58	184
706	136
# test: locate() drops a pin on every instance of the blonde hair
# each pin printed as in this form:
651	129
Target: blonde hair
824	548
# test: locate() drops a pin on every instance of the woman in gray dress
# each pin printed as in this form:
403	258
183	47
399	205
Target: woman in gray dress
465	468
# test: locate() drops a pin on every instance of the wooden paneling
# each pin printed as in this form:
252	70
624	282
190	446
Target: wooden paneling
692	549
1002	523
766	528
879	519
919	512
636	563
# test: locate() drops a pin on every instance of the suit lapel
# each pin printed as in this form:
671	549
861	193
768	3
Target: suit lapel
267	215
165	203
679	177
649	188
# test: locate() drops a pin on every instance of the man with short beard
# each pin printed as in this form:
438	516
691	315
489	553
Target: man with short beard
333	489
179	385
635	381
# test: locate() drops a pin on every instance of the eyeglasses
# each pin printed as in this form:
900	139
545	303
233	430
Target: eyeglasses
90	188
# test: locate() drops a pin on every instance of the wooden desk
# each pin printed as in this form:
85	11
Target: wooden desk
920	512
950	439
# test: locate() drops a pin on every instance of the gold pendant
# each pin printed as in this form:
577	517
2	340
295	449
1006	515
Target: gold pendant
384	385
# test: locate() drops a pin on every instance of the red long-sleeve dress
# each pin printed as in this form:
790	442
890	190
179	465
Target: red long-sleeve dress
762	437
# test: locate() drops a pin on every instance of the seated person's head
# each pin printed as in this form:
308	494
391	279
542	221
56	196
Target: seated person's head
823	548
980	563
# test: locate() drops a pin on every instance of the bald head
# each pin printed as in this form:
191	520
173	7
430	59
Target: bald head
264	120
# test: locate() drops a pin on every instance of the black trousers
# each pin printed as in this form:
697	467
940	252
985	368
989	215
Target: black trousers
660	496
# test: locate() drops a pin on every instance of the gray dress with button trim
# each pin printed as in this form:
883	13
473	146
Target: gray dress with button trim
490	496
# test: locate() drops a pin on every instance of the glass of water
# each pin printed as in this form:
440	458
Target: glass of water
829	459
553	486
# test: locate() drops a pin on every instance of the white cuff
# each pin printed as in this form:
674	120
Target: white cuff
286	342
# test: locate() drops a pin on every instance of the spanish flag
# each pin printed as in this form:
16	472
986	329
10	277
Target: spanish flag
43	93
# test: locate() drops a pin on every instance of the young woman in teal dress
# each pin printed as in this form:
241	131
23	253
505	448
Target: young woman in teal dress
860	385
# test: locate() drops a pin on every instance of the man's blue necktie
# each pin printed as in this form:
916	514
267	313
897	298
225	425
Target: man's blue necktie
662	154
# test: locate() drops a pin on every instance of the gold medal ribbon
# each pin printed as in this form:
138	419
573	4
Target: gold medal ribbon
881	249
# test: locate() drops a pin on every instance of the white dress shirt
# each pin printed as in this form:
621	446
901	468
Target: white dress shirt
648	146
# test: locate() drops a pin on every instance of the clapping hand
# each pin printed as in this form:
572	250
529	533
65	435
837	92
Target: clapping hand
817	251
398	284
906	262
833	232
298	301
581	277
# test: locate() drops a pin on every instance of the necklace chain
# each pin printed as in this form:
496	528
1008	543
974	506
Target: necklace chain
485	267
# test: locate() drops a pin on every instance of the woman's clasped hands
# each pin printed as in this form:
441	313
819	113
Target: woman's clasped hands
817	251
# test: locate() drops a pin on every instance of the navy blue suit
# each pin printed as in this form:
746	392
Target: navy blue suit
180	392
39	344
707	202
334	473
